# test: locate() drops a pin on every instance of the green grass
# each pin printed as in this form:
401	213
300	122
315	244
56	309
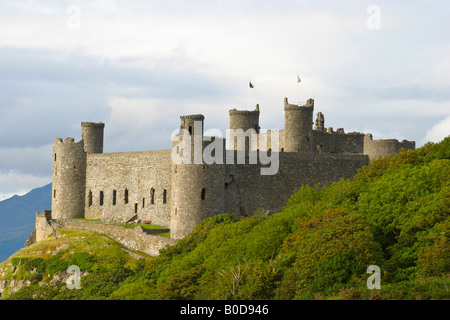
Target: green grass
125	225
167	234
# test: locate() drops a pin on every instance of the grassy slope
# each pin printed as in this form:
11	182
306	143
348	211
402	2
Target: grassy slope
393	213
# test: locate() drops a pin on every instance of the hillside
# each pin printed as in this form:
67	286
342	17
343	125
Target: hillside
393	214
17	218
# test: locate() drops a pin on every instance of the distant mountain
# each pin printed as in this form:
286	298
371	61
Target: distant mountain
17	218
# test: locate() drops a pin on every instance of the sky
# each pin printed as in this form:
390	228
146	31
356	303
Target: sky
380	67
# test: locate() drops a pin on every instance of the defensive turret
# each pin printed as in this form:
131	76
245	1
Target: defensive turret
198	189
298	126
69	179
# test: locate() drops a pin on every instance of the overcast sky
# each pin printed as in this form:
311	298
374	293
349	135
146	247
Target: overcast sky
372	66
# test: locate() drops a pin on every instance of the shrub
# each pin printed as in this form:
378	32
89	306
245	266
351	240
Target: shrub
83	260
56	266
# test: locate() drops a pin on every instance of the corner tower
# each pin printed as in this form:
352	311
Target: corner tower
198	189
92	135
298	121
69	179
245	120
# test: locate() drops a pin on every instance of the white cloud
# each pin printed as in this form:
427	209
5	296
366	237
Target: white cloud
439	131
16	182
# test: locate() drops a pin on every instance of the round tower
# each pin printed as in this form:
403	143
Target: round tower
245	120
92	135
192	123
69	179
298	121
198	189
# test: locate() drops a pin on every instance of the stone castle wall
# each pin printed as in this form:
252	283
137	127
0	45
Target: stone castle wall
337	142
246	190
43	228
135	238
136	173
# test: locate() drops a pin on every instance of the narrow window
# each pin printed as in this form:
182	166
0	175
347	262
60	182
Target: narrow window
90	198
126	196
114	197
74	167
190	130
54	193
143	202
203	194
135	207
55	156
152	196
164	195
101	198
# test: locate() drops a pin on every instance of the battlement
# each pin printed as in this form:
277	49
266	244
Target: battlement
243	112
68	141
193	116
288	106
93	124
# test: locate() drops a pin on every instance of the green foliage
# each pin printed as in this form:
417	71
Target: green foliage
101	283
83	260
56	265
330	251
199	233
15	261
182	286
254	280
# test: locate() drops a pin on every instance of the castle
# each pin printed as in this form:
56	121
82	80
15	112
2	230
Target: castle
150	185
